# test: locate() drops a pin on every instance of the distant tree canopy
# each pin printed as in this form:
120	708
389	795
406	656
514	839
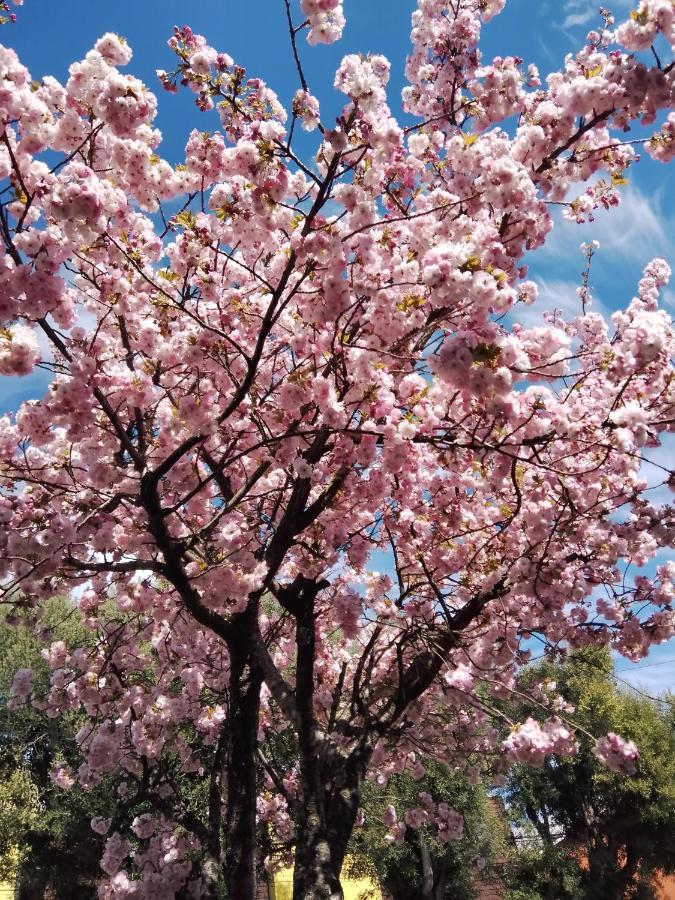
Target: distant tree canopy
46	838
604	835
420	865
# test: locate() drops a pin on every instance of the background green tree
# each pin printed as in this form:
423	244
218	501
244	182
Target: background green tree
420	866
46	840
603	835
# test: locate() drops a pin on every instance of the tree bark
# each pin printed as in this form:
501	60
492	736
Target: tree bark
331	788
316	875
331	783
442	880
240	856
427	870
212	860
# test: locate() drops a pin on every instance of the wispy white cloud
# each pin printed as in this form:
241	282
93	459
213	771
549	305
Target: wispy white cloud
573	5
547	51
659	459
580	18
563	295
637	230
583	12
579	12
554	294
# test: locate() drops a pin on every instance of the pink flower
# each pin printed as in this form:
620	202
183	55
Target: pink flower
114	49
100	825
390	818
306	108
19	351
528	743
326	20
22	684
616	753
62	776
144	826
125	104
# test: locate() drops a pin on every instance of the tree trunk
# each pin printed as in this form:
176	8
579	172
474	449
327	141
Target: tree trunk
316	875
343	777
427	870
442	880
332	821
241	765
212	861
330	781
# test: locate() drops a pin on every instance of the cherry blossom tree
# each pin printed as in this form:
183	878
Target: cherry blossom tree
267	368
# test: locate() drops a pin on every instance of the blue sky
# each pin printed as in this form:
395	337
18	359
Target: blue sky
50	35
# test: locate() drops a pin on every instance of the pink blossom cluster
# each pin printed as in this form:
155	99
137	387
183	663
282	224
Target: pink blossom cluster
164	863
616	753
19	350
531	742
662	145
306	108
22	685
62	775
326	20
445	823
652	17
